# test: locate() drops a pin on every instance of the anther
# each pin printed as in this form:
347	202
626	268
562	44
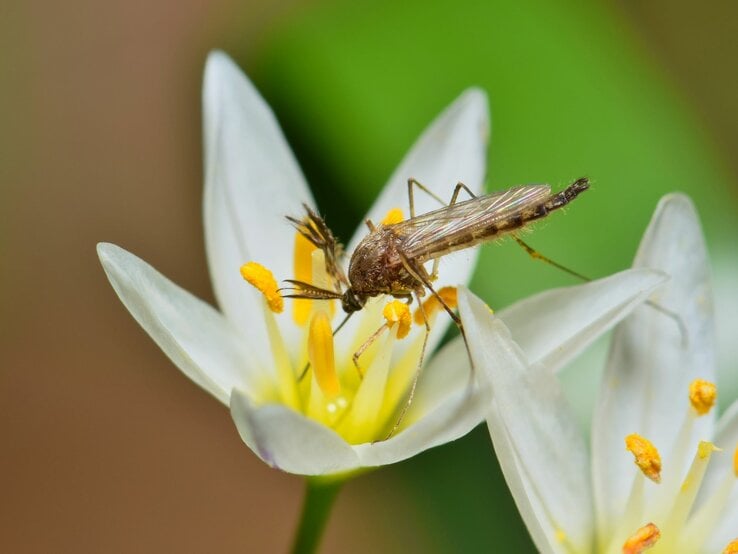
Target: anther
702	395
647	457
735	461
320	352
641	540
432	305
398	312
303	271
732	547
393	216
263	280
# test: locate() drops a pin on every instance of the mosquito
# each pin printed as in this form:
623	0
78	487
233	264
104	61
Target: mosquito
391	259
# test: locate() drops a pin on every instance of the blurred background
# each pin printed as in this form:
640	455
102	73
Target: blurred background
106	447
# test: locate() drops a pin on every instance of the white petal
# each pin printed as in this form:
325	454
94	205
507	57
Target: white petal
287	440
447	373
449	420
542	431
252	182
553	326
550	327
651	363
198	339
452	149
540	526
721	466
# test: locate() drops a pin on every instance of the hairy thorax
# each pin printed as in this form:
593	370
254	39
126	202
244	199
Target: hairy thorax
377	268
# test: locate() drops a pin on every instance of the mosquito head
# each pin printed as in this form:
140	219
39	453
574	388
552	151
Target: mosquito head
352	302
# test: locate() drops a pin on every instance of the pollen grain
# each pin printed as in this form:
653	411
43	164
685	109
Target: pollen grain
263	280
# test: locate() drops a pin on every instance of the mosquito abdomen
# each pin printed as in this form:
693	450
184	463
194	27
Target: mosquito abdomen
508	224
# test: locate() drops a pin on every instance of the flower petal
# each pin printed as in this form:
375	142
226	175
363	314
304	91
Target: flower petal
542	431
652	361
718	474
449	420
550	327
553	326
198	339
452	149
287	440
252	182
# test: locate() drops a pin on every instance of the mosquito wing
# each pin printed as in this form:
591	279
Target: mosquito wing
465	224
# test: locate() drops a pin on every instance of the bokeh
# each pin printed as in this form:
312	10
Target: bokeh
106	447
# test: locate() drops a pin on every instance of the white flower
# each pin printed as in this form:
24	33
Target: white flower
250	358
656	396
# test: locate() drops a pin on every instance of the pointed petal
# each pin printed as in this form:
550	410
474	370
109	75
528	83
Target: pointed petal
198	339
651	363
542	431
287	440
452	149
554	326
252	182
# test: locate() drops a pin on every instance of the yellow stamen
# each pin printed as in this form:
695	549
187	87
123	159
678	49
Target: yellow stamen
303	271
641	540
398	312
320	352
261	278
646	456
393	216
735	461
732	548
702	395
432	305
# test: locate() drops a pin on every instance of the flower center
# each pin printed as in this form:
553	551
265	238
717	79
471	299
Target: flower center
677	523
356	383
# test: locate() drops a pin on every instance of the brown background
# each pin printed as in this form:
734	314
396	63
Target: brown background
105	447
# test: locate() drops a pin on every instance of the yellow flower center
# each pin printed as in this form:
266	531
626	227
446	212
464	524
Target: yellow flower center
677	525
356	385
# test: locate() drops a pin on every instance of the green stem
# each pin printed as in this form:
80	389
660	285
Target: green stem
320	493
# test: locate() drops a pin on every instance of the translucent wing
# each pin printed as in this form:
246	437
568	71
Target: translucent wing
464	224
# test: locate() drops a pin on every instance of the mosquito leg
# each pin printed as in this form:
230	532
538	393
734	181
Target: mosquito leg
457	189
411	394
533	253
367	343
665	311
410	198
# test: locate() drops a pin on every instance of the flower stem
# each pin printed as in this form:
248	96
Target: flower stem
320	493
